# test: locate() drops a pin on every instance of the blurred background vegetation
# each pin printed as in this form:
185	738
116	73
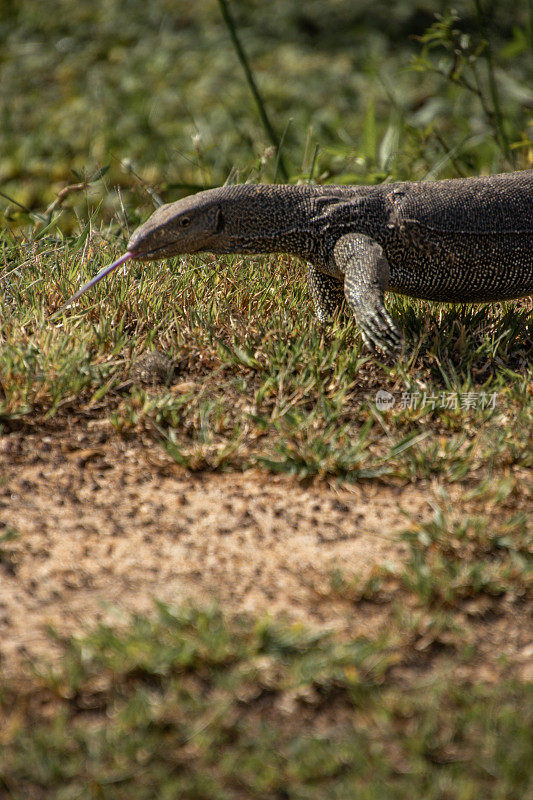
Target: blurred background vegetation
149	100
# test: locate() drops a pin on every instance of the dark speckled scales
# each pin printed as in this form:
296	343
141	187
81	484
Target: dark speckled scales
463	240
327	293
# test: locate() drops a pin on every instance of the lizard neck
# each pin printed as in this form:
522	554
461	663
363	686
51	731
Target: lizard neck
265	219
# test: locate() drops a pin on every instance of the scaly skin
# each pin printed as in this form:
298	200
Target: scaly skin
465	240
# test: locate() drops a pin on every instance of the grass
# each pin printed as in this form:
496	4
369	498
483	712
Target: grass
256	381
188	704
105	113
191	704
453	557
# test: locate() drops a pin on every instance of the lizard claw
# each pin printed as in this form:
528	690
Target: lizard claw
379	330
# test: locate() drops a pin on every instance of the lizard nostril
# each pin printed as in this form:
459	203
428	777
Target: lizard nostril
184	221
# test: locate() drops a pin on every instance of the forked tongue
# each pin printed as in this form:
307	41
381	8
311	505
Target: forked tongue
97	278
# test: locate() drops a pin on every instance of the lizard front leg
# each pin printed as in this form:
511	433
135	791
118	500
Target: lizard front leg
327	293
366	276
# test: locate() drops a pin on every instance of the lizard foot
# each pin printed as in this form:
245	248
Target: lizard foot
379	331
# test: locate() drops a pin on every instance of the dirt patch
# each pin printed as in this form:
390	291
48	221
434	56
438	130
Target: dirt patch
106	523
100	521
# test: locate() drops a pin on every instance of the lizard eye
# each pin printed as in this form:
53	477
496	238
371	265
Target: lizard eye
184	221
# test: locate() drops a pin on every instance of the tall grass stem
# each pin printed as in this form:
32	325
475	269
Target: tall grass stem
493	87
267	125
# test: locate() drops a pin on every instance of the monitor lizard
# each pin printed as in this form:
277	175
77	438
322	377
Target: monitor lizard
462	240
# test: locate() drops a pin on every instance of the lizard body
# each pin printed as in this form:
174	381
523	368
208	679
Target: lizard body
458	240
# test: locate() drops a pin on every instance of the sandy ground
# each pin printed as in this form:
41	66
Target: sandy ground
105	523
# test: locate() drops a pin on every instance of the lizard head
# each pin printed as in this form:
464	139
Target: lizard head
244	218
186	226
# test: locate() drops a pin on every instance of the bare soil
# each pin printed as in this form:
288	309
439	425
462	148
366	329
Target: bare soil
107	524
